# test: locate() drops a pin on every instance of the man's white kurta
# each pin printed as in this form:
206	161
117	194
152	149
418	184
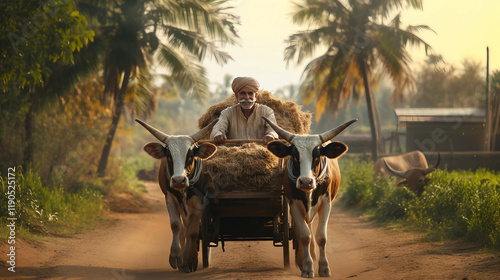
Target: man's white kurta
234	125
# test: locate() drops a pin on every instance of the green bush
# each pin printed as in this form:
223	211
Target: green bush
49	208
358	176
120	178
454	204
394	204
460	204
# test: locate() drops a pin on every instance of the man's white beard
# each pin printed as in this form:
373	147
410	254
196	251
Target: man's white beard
246	103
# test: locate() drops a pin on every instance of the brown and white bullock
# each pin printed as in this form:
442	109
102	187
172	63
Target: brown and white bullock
183	181
311	183
411	167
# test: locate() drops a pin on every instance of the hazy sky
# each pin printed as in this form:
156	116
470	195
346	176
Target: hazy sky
464	29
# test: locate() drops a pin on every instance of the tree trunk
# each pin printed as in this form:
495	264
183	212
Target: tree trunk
371	113
29	148
378	124
117	112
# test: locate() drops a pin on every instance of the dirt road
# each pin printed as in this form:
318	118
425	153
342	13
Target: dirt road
136	246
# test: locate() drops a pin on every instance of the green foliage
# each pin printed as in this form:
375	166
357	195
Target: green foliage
394	204
121	177
358	36
35	35
460	203
454	204
69	133
359	177
49	208
439	84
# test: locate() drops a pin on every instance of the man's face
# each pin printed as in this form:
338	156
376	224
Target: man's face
246	97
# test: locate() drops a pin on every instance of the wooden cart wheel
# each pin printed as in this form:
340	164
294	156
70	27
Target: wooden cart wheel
286	235
205	248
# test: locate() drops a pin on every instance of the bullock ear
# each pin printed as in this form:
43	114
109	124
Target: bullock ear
279	149
205	150
155	150
333	150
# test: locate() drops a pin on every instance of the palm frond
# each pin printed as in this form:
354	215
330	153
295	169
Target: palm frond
196	44
141	98
304	44
189	76
352	31
207	17
317	13
385	8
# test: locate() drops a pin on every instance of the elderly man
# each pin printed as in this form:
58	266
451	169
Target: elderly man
244	120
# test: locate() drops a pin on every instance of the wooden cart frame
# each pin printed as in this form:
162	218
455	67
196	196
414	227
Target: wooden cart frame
246	216
252	216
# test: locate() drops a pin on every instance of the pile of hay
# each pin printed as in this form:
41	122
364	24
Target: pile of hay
252	167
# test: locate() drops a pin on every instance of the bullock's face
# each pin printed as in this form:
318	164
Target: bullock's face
180	154
306	152
415	179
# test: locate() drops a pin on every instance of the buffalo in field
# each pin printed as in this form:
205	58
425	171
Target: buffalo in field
411	168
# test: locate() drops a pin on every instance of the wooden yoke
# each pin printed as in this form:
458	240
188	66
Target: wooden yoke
237	142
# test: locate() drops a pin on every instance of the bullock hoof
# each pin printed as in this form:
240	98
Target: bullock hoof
175	261
190	267
324	272
307	274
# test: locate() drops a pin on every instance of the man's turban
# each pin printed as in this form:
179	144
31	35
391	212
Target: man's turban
241	82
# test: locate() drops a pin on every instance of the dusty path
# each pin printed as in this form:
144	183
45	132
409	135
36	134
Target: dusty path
136	246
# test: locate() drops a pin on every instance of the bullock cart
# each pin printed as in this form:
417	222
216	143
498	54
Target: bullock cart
254	215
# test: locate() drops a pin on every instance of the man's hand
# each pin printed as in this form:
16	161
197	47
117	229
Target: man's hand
220	139
267	139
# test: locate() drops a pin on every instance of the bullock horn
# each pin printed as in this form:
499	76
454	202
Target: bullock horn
325	136
198	135
281	132
395	172
156	133
430	169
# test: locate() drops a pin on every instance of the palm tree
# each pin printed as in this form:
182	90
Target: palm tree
223	90
357	40
191	28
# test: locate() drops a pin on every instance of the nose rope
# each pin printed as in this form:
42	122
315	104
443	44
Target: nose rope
196	175
321	176
322	173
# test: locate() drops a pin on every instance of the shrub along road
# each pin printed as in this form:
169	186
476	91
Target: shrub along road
136	246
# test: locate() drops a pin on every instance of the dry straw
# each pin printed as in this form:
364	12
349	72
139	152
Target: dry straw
252	167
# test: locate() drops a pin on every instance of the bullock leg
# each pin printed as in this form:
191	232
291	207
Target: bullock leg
298	214
190	255
175	258
321	235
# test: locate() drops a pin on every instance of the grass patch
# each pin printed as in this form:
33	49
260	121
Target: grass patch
455	204
120	178
49	208
65	206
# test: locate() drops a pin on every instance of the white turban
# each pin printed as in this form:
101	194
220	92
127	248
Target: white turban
241	82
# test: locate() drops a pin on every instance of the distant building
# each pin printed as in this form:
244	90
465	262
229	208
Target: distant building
442	129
